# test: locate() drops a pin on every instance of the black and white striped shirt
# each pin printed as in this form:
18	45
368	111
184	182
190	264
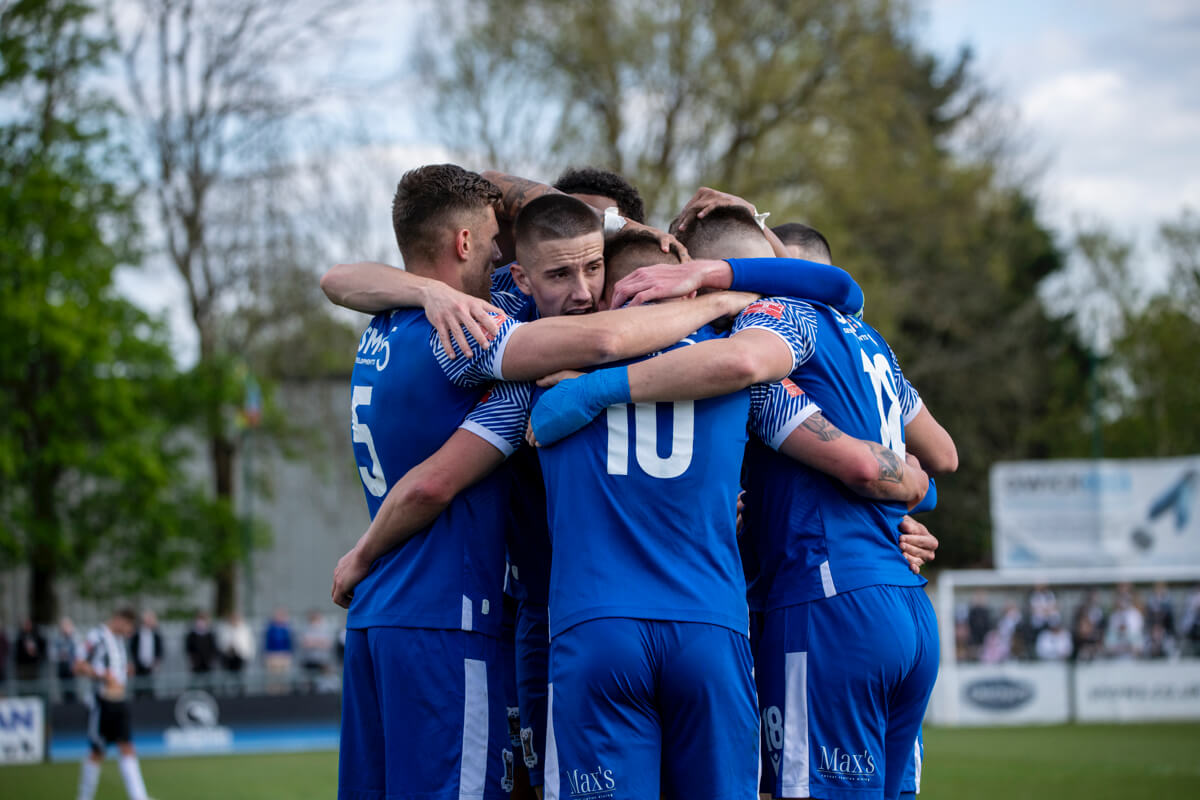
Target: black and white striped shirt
105	654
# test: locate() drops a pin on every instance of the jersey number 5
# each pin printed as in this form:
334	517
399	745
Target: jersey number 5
645	423
372	478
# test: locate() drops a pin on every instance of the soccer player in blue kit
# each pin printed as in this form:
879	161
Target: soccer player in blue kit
424	617
497	356
846	620
650	664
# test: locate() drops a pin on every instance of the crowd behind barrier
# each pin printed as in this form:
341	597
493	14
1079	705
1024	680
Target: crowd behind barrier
1078	623
229	657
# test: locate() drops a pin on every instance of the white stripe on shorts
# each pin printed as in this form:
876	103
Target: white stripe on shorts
472	775
794	769
917	764
550	779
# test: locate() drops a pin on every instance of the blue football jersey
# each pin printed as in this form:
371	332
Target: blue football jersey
816	537
642	504
407	398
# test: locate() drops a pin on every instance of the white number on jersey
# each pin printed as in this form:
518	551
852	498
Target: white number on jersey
891	429
372	479
645	422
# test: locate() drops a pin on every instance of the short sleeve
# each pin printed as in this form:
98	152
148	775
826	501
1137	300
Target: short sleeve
500	416
793	321
910	401
777	409
483	365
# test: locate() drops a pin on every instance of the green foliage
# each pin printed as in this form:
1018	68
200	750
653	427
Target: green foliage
823	112
89	461
1150	396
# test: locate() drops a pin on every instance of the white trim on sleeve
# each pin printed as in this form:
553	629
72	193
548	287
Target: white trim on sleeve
796	421
916	409
501	346
489	436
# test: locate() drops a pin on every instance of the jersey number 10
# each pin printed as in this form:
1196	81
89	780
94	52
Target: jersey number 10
645	424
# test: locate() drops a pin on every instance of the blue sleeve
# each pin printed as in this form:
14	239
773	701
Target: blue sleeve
480	366
777	409
500	415
794	277
928	502
793	321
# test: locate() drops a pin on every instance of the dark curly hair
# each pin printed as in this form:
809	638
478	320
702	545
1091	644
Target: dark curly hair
590	180
432	198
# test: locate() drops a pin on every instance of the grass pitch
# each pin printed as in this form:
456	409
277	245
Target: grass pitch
1088	762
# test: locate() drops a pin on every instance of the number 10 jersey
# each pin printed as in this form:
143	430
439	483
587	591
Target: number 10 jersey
642	506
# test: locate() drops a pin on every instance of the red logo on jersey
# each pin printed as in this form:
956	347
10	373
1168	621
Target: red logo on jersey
488	394
500	316
791	388
768	307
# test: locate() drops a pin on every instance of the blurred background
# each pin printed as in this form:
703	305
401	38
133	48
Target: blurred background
1014	185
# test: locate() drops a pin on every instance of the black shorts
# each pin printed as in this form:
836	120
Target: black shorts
108	723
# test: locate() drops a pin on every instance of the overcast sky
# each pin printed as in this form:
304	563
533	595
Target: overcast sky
1107	90
1106	94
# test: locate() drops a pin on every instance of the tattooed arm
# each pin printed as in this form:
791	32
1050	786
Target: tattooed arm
515	193
867	468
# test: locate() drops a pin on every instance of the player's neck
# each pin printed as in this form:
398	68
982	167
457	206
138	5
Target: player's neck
444	271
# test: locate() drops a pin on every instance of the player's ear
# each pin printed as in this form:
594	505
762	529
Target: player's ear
463	243
520	277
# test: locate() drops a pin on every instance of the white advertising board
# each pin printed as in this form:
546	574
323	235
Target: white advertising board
22	730
1001	694
1102	513
1123	691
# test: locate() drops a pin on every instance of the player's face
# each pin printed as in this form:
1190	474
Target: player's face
596	201
564	276
483	256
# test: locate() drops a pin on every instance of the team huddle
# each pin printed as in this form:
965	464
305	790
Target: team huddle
639	506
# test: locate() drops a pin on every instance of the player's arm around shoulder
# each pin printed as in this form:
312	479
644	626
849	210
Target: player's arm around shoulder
551	344
372	288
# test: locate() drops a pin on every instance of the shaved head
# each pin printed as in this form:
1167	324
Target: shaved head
726	232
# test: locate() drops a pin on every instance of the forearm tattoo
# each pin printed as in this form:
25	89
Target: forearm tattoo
891	468
822	427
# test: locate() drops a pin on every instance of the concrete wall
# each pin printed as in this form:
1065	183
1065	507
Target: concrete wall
315	508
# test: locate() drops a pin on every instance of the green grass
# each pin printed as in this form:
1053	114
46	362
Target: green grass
1063	761
1090	762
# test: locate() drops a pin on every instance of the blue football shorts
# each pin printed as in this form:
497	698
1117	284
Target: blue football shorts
843	684
423	716
640	708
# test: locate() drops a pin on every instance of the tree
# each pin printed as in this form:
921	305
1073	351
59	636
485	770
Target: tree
1149	398
824	112
214	87
90	473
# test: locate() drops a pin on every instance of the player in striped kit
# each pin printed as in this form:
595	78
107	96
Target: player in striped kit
103	659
